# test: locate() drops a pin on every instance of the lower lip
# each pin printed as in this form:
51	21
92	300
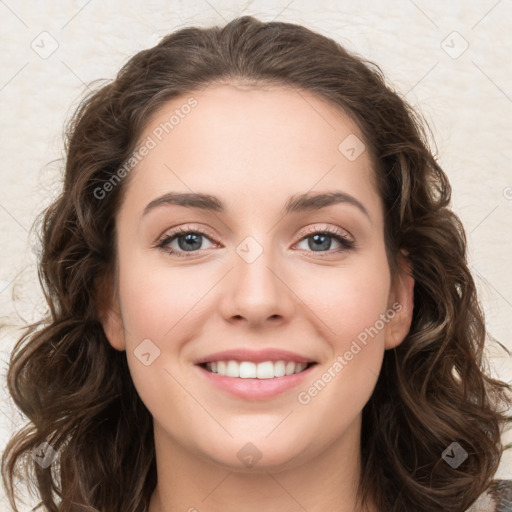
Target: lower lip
255	389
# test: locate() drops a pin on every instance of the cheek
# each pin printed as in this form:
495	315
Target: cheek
348	299
160	309
159	305
360	302
352	304
155	299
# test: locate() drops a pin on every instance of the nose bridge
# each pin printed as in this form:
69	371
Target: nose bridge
256	291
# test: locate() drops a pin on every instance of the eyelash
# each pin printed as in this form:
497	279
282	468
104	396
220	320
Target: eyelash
345	242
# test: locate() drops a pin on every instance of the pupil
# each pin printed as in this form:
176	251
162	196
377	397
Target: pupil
189	242
326	241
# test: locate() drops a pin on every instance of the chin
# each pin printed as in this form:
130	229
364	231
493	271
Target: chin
258	457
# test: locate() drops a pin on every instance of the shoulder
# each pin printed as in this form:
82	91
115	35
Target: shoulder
497	498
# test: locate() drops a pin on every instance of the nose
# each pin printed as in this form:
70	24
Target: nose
257	292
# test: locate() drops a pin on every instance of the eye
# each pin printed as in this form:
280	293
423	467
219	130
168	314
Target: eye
185	240
321	241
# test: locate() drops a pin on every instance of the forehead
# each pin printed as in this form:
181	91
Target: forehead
241	138
226	107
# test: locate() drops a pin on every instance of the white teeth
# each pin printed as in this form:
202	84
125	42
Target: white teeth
250	370
279	369
232	369
290	368
265	370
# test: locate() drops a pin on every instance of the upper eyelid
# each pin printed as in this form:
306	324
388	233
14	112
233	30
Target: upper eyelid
177	230
330	229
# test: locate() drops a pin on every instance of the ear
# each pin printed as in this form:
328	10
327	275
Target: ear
110	313
401	302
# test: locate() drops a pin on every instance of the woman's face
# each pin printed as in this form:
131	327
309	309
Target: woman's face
257	276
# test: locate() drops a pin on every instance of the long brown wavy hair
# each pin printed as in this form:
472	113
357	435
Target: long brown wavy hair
76	390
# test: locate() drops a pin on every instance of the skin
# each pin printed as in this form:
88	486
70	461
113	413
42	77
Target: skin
253	148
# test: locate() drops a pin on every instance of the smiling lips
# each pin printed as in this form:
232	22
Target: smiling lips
255	374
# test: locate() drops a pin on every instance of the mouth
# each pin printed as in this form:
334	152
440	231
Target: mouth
254	381
252	370
254	374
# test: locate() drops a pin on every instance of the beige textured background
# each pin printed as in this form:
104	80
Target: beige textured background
451	59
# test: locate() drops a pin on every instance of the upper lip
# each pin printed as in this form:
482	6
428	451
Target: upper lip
255	356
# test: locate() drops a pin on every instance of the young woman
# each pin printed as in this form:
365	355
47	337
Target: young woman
258	295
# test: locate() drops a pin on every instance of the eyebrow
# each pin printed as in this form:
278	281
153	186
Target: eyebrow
295	204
